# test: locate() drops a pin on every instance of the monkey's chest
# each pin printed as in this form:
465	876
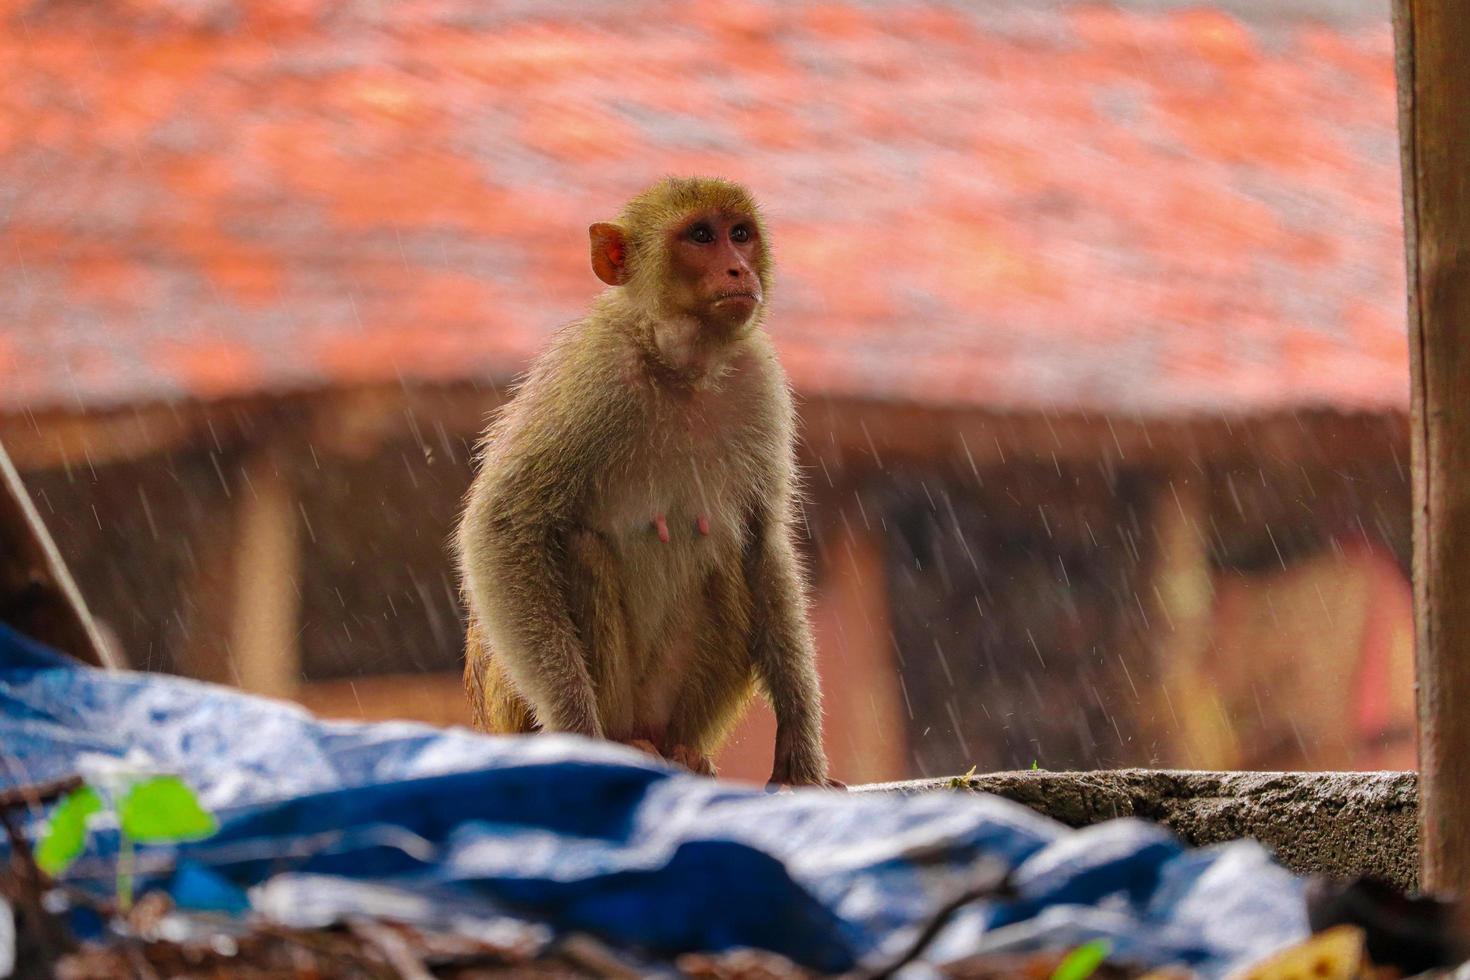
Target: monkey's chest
673	521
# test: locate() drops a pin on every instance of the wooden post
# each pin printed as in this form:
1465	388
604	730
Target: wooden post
243	629
37	594
1189	707
267	586
1432	38
867	738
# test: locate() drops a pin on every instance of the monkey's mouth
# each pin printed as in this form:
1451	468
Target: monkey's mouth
744	297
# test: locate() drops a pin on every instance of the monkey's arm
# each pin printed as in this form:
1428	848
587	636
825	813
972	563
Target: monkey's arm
515	542
781	647
515	586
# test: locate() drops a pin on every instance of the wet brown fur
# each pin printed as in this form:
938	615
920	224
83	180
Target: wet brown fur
581	619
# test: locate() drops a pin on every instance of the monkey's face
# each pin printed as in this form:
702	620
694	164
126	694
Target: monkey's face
715	260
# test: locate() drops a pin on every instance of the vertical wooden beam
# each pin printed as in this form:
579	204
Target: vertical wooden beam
1432	38
1190	707
866	734
267	584
37	594
245	613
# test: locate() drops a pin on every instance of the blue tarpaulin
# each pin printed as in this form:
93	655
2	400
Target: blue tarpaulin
324	819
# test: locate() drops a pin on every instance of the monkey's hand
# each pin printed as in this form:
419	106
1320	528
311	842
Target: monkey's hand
780	780
696	762
644	745
780	787
799	760
574	708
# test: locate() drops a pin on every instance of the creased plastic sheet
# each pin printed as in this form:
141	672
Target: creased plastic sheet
324	819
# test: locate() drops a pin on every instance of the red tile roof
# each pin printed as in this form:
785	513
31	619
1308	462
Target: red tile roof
1013	206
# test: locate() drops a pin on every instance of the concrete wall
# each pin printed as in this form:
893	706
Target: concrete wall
1339	823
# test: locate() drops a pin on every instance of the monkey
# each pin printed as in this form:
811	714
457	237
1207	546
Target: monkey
627	548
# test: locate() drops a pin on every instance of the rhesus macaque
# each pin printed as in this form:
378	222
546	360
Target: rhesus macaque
627	545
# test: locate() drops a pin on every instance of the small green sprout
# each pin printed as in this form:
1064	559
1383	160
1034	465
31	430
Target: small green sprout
1083	961
962	782
151	810
1034	765
163	810
66	834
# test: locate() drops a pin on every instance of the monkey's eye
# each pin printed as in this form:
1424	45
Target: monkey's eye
702	234
740	233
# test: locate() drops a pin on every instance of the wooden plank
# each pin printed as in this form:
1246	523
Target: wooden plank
838	433
1432	37
855	435
37	594
74	440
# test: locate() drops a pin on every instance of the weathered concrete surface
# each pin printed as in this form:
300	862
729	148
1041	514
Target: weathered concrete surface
1341	823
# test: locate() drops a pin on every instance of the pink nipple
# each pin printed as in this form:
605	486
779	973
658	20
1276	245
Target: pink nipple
702	523
662	526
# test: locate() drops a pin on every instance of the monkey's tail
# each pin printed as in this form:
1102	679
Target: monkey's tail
495	705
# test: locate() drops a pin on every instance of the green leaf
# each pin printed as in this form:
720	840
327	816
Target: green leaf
1083	961
163	809
65	836
1034	765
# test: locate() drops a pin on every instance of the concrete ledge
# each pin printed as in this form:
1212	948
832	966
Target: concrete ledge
1340	823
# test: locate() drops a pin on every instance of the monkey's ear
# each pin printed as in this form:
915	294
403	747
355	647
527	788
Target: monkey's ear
609	253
